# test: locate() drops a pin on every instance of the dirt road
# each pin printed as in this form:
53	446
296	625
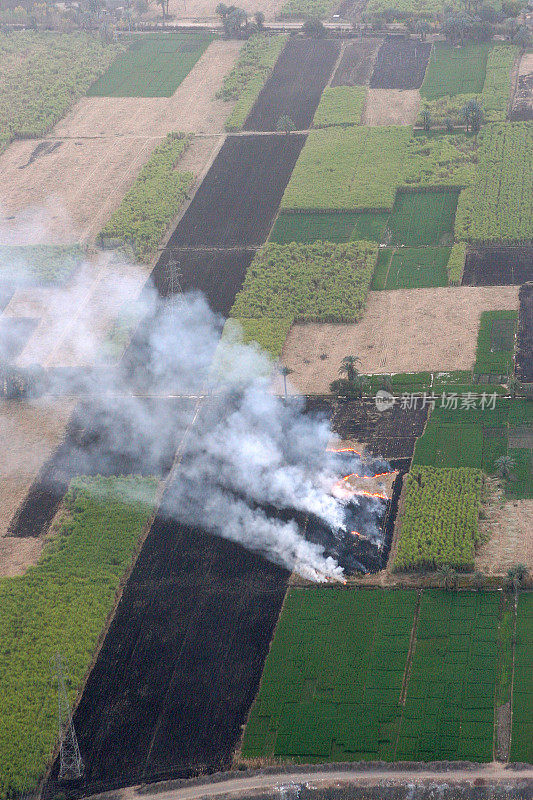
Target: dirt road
318	778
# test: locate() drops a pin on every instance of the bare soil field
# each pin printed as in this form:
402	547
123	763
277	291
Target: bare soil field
29	433
509	528
407	330
400	64
391	107
192	108
357	63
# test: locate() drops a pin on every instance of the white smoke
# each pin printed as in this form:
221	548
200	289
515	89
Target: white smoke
250	463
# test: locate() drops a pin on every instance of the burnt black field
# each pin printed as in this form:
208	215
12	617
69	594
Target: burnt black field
91	447
295	85
499	266
236	202
356	64
400	64
219	274
181	663
524	350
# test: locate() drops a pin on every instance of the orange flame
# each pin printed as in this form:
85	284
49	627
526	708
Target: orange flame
342	450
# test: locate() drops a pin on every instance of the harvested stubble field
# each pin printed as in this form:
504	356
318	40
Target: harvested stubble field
154	65
237	200
400	64
345	681
295	85
391	107
181	663
357	63
498	266
508	530
440	327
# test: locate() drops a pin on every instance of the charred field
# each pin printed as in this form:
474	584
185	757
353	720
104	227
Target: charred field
524	352
236	202
295	85
357	63
499	266
400	64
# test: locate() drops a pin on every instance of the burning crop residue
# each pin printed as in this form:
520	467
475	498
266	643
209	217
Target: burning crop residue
364	490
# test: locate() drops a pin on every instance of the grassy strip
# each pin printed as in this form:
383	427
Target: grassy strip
154	199
46	263
498	205
455	70
340	105
247	78
456	264
43	74
439	523
153	66
495	342
324	282
61	604
356	168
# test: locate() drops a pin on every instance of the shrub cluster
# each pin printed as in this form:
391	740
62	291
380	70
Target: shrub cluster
456	264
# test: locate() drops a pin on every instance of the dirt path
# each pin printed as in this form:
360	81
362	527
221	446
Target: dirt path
319	778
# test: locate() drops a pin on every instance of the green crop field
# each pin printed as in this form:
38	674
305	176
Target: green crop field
154	199
340	105
522	732
40	262
154	65
423	218
436	159
43	74
355	168
439	521
331	227
331	685
268	332
322	281
455	70
498	206
411	268
244	82
62	603
449	708
496	343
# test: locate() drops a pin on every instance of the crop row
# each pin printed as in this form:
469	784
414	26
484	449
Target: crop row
43	74
61	604
154	199
322	281
340	105
498	205
439	523
247	78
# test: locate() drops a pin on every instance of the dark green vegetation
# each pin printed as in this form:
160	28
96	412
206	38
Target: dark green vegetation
332	680
439	522
43	74
522	735
322	281
332	227
411	268
154	65
455	70
474	437
449	709
335	685
423	218
62	603
45	263
154	199
247	78
495	344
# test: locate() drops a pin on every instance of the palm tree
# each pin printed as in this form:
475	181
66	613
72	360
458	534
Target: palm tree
285	123
504	465
448	576
426	119
347	367
285	371
472	115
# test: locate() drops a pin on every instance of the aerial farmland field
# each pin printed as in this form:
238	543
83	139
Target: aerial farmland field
266	363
